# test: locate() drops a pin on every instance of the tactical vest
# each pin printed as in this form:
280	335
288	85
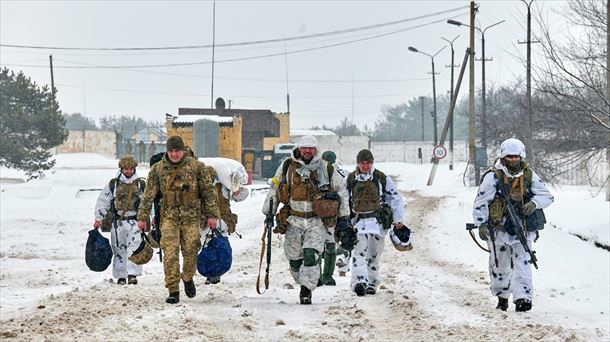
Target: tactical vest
294	187
181	189
366	196
126	196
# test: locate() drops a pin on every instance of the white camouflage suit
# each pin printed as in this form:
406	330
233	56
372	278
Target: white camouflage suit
514	272
125	238
371	237
306	233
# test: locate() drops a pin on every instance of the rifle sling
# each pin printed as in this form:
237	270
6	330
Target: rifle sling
260	264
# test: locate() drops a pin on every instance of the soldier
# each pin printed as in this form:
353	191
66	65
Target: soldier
512	179
187	198
128	147
306	183
329	256
224	195
141	152
377	206
152	149
122	196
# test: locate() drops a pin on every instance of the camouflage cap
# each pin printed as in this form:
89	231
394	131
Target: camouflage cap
127	162
365	155
174	143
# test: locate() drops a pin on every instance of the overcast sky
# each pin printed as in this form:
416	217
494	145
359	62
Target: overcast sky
336	78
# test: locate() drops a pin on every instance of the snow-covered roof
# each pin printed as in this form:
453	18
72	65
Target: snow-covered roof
314	132
193	117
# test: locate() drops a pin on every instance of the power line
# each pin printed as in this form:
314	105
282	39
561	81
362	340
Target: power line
275	40
234	59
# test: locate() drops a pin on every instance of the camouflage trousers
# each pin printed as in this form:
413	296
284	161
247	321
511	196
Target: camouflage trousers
303	243
124	240
179	236
365	260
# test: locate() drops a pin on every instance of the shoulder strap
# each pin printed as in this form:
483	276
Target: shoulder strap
112	185
351	179
285	167
381	179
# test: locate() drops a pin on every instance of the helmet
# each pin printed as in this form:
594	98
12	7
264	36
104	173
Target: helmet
127	162
98	253
401	238
329	156
512	146
144	252
215	257
154	238
308	141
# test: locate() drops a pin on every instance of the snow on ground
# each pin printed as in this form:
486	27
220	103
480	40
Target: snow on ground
437	291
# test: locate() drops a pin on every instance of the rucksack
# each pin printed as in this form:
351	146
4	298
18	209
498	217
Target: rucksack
215	258
98	253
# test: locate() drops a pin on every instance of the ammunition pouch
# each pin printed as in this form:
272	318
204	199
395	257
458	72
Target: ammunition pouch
326	205
281	220
533	223
385	216
283	193
497	210
178	198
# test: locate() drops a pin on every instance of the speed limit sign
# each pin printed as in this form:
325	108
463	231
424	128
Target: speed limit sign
439	152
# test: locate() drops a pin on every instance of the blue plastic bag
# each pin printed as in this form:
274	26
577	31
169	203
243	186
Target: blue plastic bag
215	258
98	253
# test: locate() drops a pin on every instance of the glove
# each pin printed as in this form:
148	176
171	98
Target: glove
483	231
528	208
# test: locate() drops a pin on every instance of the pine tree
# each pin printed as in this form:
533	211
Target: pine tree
30	124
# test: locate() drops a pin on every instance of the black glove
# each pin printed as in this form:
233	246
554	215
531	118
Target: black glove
345	235
342	223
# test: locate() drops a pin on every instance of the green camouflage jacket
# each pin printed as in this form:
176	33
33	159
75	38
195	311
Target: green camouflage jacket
190	196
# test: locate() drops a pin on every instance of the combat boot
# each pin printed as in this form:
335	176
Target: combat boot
360	289
121	281
132	280
189	288
305	295
502	304
523	305
174	298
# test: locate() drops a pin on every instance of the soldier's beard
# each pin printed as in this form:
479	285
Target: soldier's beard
307	159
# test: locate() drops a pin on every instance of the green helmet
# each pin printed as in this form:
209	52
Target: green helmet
127	162
144	252
329	156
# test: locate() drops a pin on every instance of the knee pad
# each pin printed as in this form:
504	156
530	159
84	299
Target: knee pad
310	257
295	265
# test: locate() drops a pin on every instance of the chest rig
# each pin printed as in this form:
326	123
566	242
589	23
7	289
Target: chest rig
180	188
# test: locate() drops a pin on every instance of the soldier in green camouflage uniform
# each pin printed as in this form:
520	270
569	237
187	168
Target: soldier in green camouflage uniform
188	198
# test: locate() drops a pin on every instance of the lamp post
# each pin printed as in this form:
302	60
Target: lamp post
483	95
433	87
451	99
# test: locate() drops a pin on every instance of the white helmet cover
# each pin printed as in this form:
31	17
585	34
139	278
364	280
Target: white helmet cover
307	141
512	146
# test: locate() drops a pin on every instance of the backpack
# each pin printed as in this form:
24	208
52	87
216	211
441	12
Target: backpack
98	253
215	257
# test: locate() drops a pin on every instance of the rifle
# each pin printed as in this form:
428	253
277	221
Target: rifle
267	233
520	231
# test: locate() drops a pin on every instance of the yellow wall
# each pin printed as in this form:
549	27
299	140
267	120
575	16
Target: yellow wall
284	132
230	140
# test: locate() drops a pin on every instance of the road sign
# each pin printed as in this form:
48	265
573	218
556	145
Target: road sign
439	152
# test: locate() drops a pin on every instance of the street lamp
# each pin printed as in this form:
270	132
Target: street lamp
433	86
483	112
451	99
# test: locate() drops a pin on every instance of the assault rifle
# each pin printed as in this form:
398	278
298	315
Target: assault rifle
492	236
267	234
520	231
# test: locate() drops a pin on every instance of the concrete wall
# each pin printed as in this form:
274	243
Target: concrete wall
103	142
398	151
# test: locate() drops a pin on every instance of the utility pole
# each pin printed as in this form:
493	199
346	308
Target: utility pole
528	85
421	98
52	78
213	51
412	49
451	99
287	89
608	91
471	119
